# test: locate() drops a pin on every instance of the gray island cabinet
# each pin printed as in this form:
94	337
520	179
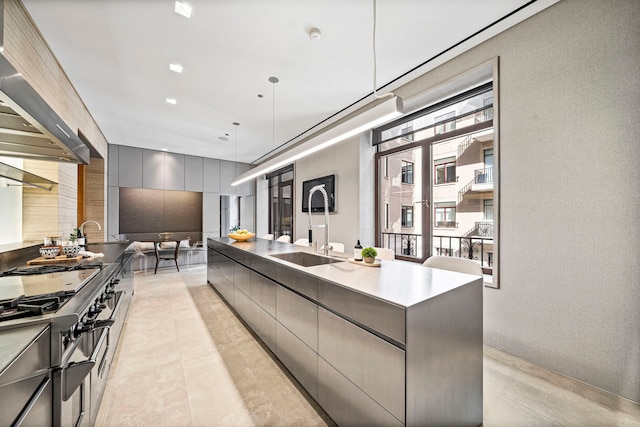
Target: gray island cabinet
395	345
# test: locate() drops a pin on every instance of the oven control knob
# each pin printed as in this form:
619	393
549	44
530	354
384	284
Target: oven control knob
96	308
80	328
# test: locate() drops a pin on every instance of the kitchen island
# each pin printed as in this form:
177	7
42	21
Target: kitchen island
396	345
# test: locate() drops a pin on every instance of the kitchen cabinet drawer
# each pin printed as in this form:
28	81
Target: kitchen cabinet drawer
299	315
345	403
263	292
242	304
227	290
380	316
33	359
374	365
242	278
264	325
299	359
298	281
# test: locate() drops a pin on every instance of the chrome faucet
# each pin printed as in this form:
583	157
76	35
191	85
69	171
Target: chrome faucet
82	228
326	247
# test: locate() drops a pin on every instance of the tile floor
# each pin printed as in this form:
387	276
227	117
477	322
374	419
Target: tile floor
185	360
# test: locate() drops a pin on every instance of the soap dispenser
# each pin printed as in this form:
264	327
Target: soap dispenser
357	252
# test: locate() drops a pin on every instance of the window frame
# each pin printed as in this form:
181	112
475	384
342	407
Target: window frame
407	172
406	216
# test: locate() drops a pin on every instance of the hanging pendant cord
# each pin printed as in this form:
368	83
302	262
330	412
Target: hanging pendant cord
375	60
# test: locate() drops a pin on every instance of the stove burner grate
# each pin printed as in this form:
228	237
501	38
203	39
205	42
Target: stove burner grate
46	269
22	306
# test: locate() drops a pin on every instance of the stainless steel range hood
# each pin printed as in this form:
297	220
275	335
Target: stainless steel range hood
24	177
29	128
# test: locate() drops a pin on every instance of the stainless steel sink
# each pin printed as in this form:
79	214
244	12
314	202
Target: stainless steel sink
306	259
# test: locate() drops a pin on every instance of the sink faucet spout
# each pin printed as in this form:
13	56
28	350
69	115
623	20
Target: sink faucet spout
326	247
85	223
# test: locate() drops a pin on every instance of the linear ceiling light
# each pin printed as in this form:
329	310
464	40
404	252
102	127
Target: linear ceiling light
381	113
175	67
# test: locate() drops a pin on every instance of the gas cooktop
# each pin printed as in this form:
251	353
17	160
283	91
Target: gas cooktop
37	290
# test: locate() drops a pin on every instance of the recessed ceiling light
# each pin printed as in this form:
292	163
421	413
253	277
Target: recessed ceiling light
175	67
164	149
315	34
171	101
183	9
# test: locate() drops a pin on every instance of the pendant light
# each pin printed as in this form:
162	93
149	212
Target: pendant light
273	81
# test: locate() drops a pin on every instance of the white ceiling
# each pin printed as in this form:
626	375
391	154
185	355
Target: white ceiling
117	55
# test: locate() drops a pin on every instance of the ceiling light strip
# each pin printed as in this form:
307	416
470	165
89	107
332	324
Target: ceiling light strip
381	113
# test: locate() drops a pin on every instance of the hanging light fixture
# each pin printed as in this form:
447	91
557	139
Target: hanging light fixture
383	112
273	81
236	124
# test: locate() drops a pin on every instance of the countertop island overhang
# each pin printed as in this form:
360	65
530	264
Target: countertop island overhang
396	345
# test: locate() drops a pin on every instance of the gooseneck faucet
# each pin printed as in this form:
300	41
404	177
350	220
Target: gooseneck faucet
82	228
326	247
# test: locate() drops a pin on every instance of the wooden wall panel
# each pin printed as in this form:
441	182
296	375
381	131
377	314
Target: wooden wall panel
46	213
94	201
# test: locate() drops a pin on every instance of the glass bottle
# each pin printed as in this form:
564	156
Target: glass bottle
357	252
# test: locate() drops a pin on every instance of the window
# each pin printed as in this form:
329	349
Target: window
447	126
407	216
445	170
445	214
440	151
407	172
281	201
488	209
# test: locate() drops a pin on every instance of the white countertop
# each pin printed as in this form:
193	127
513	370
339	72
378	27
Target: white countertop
399	282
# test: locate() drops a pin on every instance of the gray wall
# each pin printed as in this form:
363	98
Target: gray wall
569	263
141	168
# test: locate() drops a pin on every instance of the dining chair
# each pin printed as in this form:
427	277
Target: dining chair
142	251
284	238
337	247
461	265
301	242
198	246
162	253
385	254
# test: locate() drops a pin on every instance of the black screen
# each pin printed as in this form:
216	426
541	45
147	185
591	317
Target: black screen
317	201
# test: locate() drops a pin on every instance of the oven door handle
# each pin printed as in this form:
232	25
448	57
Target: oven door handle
75	372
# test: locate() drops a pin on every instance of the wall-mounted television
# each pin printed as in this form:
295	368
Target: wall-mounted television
317	201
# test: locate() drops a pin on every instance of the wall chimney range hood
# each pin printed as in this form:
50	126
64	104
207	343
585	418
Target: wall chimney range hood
26	178
29	128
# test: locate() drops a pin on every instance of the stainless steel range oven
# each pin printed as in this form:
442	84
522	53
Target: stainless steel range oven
83	309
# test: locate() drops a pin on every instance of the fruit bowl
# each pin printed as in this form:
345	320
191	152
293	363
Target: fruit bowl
71	251
241	237
165	236
49	251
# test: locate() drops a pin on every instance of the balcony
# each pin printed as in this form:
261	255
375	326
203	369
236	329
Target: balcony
479	249
481	229
482	181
